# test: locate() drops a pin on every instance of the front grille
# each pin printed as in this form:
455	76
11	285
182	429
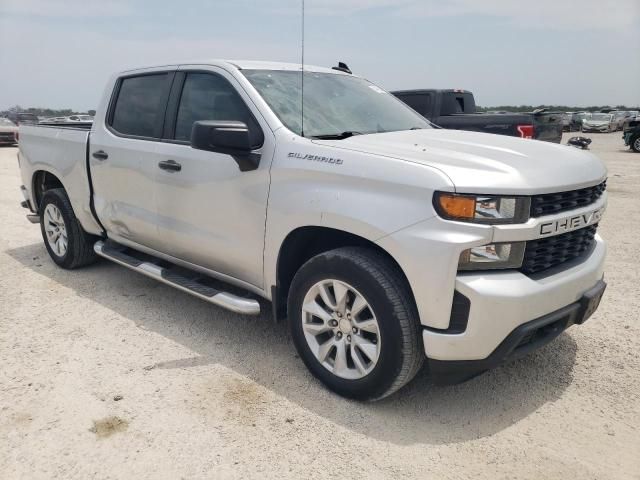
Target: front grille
548	252
550	203
7	136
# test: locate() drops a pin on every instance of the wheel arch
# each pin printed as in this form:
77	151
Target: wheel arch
303	243
41	181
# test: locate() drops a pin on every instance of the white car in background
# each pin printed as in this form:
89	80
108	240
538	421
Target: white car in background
54	120
600	122
8	132
619	116
80	118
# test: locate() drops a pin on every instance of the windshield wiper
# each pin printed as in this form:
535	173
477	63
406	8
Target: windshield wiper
336	136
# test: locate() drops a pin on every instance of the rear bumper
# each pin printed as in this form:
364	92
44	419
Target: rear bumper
501	302
521	341
26	203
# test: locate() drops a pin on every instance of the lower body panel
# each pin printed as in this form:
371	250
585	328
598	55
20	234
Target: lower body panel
521	341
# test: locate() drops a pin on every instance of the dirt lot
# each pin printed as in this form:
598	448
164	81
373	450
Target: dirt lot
108	374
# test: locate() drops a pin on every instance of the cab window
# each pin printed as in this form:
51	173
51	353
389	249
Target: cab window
139	107
207	96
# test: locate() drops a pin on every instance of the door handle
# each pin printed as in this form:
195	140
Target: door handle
100	155
170	165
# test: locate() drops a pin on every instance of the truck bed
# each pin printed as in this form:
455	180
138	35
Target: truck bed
62	151
72	125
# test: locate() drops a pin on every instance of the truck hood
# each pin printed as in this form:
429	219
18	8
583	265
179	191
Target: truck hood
484	163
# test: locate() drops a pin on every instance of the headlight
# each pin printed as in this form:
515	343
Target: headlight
486	209
492	256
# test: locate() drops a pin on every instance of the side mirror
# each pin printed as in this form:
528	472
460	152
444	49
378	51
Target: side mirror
225	136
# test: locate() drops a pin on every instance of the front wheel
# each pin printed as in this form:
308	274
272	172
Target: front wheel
635	143
69	246
355	324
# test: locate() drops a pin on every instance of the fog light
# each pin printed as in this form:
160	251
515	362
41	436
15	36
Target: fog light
492	256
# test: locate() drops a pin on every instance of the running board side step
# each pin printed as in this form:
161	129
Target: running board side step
119	255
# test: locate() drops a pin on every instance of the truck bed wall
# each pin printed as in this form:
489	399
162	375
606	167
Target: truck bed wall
61	152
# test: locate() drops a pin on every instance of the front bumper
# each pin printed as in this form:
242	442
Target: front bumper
521	341
500	302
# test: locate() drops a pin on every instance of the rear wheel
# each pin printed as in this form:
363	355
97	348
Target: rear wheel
69	246
354	323
635	143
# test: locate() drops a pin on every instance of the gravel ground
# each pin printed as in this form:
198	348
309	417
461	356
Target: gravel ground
108	374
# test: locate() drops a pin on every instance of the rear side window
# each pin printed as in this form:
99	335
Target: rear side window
139	108
207	96
420	102
457	103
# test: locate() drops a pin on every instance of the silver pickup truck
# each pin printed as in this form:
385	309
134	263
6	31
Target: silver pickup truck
384	241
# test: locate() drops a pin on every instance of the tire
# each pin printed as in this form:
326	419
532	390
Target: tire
57	218
635	143
373	276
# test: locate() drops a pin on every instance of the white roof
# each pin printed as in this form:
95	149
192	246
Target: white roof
245	65
260	65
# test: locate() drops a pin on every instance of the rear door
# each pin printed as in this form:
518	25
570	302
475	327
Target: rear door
211	213
124	157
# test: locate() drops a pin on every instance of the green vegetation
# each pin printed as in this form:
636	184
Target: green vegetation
45	112
65	112
554	108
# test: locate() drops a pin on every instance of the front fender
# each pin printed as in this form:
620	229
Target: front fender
364	195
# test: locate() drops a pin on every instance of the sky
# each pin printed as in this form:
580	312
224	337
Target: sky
59	53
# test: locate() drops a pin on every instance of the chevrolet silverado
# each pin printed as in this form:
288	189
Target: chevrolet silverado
385	242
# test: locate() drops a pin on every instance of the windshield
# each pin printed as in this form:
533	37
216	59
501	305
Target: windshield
601	117
334	105
5	122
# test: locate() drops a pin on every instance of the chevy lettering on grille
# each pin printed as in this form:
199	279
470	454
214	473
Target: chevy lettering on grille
569	224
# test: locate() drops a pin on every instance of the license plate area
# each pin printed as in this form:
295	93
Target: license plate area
590	301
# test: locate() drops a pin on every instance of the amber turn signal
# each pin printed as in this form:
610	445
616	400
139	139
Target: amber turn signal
457	206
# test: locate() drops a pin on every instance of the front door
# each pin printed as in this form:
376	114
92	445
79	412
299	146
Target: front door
211	213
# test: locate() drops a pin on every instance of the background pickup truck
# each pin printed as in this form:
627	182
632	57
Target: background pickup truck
456	109
631	135
349	220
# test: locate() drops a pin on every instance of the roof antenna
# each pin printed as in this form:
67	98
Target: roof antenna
302	77
343	67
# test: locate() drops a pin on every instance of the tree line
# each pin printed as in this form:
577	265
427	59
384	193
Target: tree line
45	112
65	112
555	108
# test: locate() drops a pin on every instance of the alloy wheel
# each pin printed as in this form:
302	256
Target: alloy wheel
55	229
341	329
